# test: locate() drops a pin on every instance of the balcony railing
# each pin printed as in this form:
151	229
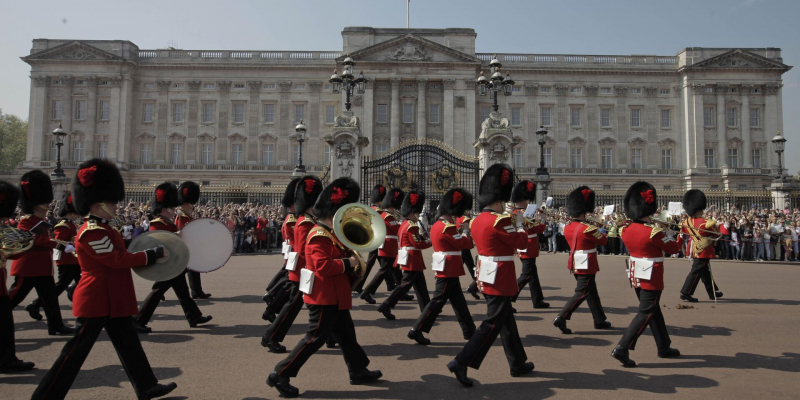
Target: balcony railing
245	55
181	167
580	59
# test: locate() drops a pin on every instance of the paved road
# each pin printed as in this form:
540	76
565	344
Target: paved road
744	346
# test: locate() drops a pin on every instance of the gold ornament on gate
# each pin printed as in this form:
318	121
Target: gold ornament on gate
444	179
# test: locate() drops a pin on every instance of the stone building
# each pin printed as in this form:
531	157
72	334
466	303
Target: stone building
702	118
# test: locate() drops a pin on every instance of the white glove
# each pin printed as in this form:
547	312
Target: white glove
465	229
69	249
519	219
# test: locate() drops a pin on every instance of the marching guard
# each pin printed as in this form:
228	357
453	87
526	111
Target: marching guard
387	254
701	230
496	236
277	291
448	244
105	296
375	199
583	239
466	256
647	244
524	193
188	195
164	201
327	295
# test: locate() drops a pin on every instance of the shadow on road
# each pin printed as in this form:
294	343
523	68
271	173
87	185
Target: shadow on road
788	362
107	376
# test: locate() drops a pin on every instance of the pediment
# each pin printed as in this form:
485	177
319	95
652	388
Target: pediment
607	141
237	136
206	137
267	137
667	143
176	136
740	59
74	51
734	143
146	136
637	142
411	48
577	141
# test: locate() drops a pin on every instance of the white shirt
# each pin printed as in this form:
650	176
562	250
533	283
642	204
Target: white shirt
127	231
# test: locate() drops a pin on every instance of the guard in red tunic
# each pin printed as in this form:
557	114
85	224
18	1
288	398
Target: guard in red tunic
34	268
462	224
306	193
496	237
583	239
68	268
701	230
277	291
388	252
448	242
8	357
413	239
105	296
375	199
327	295
189	195
164	201
647	244
524	193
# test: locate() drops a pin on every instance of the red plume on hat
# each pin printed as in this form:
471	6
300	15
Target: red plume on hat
413	202
413	197
160	194
457	196
36	188
309	186
307	193
393	198
580	201
524	191
586	193
97	181
640	200
496	185
189	192
86	176
338	195
66	206
455	202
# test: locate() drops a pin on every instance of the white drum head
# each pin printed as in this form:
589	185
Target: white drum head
210	244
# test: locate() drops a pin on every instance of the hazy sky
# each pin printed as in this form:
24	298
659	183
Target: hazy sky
660	27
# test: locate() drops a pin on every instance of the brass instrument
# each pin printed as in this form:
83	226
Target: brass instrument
552	213
360	229
597	221
14	241
663	220
620	219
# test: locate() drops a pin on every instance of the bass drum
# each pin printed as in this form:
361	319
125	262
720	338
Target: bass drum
210	244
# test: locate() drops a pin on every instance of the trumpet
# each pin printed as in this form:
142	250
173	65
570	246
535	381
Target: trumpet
359	229
620	219
663	220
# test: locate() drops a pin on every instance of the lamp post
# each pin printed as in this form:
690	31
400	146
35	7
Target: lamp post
59	135
348	81
496	84
778	142
541	133
300	169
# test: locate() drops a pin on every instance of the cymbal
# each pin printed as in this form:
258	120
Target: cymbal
165	268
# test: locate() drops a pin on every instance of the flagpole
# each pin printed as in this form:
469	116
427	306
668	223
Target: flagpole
408	7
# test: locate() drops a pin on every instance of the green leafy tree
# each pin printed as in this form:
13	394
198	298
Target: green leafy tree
13	141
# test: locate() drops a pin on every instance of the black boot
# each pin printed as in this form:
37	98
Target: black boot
33	311
62	330
407	297
282	384
71	291
718	295
367	297
669	353
686	297
460	372
365	376
602	325
473	290
416	336
621	354
201	296
17	366
266	298
273	346
330	343
158	390
199	321
522	370
541	305
468	335
561	324
268	315
141	328
387	312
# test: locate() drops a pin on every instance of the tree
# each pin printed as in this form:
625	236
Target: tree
13	141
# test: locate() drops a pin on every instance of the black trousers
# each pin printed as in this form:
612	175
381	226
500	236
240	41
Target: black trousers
66	275
279	278
278	329
280	296
415	279
8	352
466	256
586	289
385	273
194	283
373	257
178	285
649	314
530	276
324	321
46	289
701	270
446	289
499	321
59	378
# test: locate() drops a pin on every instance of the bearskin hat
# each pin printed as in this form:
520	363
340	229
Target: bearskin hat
580	201
338	193
412	203
188	192
9	196
288	196
455	202
524	191
393	198
640	200
165	196
694	201
96	181
496	185
35	189
377	195
67	205
308	189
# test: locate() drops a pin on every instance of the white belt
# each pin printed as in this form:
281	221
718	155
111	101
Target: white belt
448	253
657	259
495	258
585	251
391	237
532	236
411	248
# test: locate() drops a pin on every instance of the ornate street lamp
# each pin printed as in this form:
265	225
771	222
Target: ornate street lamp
348	81
541	134
59	135
496	84
301	137
778	142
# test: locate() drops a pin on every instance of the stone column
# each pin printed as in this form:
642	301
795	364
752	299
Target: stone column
722	136
192	122
747	141
162	121
312	154
448	112
224	111
680	117
89	149
470	129
395	118
622	126
283	147
697	133
120	146
368	121
531	125
422	122
771	123
39	111
592	126
562	126
253	118
66	116
653	121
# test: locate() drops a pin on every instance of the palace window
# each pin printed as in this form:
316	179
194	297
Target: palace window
545	89
208	113
53	151
105	110
517	157
147	112
408	113
178	86
516	116
58	108
207	154
269	113
576	157
635	91
327	154
208	86
664	91
485	111
708	117
575	90
709	156
756	158
636	120
300	86
330	114
80	109
299	112
754	117
605	90
733	158
666	158
238	85
102	150
636	158
381	149
177	113
606	158
575	116
605	117
665	118
77	151
146	153
545	116
176	153
238	113
268	154
708	89
433	113
296	152
733	120
269	86
548	157
237	154
382	114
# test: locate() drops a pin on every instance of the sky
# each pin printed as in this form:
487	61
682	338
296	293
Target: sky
661	27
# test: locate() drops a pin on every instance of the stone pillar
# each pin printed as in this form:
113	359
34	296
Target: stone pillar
120	146
747	141
697	133
470	129
781	193
679	157
223	123
531	125
543	187
653	126
66	116
722	136
284	126
562	128
367	120
39	111
192	122
592	125
448	112
89	146
395	118
496	142
622	126
770	124
422	104
312	152
254	116
161	153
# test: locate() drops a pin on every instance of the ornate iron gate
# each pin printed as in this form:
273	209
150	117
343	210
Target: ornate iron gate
427	165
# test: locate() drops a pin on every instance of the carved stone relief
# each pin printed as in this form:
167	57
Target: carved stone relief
460	101
409	52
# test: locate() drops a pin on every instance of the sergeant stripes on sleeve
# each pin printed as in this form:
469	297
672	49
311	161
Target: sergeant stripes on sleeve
102	246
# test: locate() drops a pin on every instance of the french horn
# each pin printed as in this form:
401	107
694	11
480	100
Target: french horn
14	241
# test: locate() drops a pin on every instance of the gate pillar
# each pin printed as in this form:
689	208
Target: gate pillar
496	142
347	144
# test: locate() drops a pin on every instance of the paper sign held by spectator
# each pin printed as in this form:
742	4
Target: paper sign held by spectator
675	208
530	210
608	210
549	202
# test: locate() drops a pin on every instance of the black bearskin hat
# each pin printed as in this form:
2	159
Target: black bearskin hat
640	200
580	201
9	196
96	181
412	203
308	189
455	202
188	192
694	201
67	205
340	192
377	195
165	196
393	198
525	190
496	185
288	196
35	188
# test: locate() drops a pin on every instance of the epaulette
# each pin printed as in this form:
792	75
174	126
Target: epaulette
387	215
499	217
411	224
90	226
655	229
320	231
466	220
589	227
448	225
159	219
291	218
622	229
710	223
306	220
26	216
62	223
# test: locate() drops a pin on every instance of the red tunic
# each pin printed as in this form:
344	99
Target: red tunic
182	219
66	231
161	224
533	230
446	238
409	235
495	236
287	229
708	225
648	241
460	221
301	230
38	261
324	256
106	286
583	236
261	227
389	248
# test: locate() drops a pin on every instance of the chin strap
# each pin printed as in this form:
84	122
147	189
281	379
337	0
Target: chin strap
105	208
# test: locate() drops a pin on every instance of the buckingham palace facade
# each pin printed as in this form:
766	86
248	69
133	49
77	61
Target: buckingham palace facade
702	118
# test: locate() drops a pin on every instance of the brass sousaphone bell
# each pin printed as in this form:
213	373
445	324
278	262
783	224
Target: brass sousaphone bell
360	229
